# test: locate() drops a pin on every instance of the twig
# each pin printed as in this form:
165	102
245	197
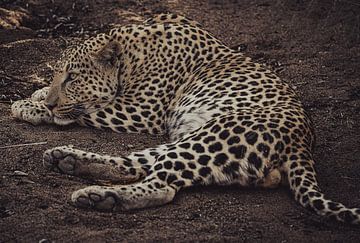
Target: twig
349	178
22	145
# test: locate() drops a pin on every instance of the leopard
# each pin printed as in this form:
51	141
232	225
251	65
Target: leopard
229	120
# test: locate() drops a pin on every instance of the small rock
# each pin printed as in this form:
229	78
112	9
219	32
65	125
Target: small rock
130	146
5	212
43	205
240	47
26	181
44	241
19	173
194	215
71	219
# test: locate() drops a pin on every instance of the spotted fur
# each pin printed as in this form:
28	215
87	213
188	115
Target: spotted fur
230	120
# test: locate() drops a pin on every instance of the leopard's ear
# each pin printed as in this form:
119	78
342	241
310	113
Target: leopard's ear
109	54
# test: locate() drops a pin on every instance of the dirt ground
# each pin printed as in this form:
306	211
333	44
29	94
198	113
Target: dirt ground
313	45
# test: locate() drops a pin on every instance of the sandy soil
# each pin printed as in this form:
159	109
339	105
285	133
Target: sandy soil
314	45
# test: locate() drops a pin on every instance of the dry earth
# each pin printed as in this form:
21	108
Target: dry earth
313	45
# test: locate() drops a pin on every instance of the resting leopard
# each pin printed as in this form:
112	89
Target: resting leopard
229	120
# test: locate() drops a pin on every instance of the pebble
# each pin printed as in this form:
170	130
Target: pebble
19	173
44	241
27	181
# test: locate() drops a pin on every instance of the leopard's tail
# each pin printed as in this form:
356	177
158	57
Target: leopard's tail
303	183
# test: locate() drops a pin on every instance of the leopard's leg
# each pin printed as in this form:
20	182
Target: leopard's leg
122	198
272	180
40	95
33	110
121	169
213	154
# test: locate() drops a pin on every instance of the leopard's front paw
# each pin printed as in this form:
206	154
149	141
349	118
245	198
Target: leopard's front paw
31	111
61	159
40	94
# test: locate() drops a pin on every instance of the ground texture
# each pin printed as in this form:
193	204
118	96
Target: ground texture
313	45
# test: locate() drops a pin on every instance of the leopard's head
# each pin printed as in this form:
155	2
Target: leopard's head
86	81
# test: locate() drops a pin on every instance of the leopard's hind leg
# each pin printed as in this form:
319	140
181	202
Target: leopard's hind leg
199	158
67	160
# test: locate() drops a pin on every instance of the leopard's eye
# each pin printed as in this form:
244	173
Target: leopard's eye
72	76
